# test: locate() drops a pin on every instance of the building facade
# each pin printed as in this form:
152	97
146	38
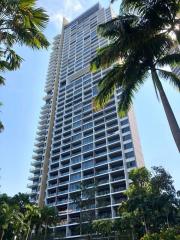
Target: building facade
76	146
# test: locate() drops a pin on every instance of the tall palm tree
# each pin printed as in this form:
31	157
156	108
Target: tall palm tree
139	47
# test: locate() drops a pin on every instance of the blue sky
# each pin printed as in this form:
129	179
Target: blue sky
22	99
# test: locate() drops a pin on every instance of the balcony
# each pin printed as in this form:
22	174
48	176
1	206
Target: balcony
116	168
104	181
119	189
102	193
61	202
62	192
101	172
115	179
74	220
52	194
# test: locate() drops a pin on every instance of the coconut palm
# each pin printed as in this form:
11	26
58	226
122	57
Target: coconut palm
22	23
138	48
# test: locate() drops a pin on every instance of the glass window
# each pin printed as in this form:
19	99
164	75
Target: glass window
75	186
124	122
75	177
131	164
88	140
86	108
76	159
87	147
87	125
95	91
129	154
127	137
77	137
87	164
128	145
126	129
76	118
77	124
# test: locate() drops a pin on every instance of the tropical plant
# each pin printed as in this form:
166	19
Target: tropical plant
151	208
83	200
21	22
141	45
31	214
49	217
5	217
167	234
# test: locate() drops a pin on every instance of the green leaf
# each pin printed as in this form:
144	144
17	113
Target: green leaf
170	59
174	80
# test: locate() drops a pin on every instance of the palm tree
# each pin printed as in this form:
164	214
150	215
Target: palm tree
139	47
49	217
22	23
32	212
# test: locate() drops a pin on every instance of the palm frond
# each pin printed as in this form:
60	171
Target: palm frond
174	80
133	77
105	57
2	80
170	59
132	5
177	33
116	27
106	87
1	127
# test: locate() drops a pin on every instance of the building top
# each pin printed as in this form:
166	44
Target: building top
86	14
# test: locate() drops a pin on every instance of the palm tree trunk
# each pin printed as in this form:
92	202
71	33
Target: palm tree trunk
168	110
45	232
1	235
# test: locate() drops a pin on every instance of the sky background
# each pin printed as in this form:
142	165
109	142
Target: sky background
22	100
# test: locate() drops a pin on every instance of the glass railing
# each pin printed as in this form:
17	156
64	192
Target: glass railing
119	189
117	178
63	192
103	193
101	172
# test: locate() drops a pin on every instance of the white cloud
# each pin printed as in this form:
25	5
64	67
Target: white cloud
57	9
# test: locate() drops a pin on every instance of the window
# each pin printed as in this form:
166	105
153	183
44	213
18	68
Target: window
86	108
88	140
87	126
76	118
126	129
77	137
74	187
124	122
75	177
77	106
128	145
87	147
129	154
131	164
127	137
76	159
95	91
77	124
87	164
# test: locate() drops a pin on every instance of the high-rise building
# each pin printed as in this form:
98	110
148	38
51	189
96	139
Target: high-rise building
76	146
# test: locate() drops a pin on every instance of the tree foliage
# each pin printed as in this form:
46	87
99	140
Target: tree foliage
151	209
18	218
140	45
22	23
